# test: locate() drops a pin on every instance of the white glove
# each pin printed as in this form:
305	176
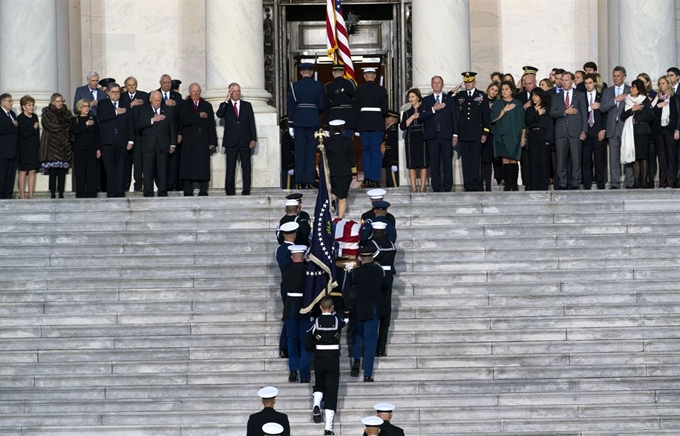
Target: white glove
357	134
291	172
346	320
327	133
349	266
291	131
394	168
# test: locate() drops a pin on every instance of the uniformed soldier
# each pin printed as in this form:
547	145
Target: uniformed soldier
341	164
306	100
370	108
282	254
473	129
384	412
294	212
376	195
287	155
268	414
390	160
385	253
366	308
340	95
297	324
324	341
372	424
347	239
380	210
272	429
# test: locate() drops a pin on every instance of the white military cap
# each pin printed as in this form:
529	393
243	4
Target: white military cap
289	227
272	429
369	70
383	407
268	392
291	203
337	123
379	225
298	248
372	421
376	194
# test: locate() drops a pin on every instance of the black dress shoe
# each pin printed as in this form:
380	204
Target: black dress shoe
325	432
316	414
283	354
613	187
380	354
368	379
293	377
356	367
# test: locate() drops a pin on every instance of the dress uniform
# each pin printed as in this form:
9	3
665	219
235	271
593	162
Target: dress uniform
287	155
268	414
390	160
385	253
474	124
376	195
297	324
340	95
282	255
272	429
301	217
367	227
384	411
306	100
372	424
370	108
324	341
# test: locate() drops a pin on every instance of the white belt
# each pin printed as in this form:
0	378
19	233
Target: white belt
294	294
386	268
371	109
328	347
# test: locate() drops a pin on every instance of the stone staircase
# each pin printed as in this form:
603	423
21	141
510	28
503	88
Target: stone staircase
552	313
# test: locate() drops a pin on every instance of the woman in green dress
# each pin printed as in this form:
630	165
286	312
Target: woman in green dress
509	134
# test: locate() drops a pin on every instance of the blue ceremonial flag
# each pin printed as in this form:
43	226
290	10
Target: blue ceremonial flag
321	255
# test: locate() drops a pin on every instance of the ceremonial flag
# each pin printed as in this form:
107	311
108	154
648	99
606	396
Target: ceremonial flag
337	39
321	256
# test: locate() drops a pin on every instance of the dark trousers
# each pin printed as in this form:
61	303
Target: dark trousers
565	146
298	358
471	159
174	183
189	187
391	179
115	161
384	321
57	181
441	164
86	172
327	378
525	168
7	172
365	336
539	160
371	157
244	155
666	151
651	164
156	169
305	154
283	339
594	152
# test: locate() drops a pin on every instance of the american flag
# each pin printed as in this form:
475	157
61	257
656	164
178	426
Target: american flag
338	41
321	266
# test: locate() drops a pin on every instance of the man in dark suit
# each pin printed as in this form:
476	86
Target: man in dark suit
569	110
441	134
91	92
612	105
117	131
589	68
199	141
239	139
306	100
340	95
473	114
370	109
133	99
528	83
268	414
594	145
157	125
9	141
172	99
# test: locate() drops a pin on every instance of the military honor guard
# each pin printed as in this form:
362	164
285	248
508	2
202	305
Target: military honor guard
341	164
373	196
370	108
372	424
289	232
380	215
294	277
474	124
340	95
323	339
384	412
384	255
287	155
272	429
390	160
268	415
294	212
306	100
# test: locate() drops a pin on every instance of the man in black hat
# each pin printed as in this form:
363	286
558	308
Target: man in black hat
306	100
390	160
340	94
370	108
474	124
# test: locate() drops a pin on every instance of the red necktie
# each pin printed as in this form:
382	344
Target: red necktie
235	109
566	99
195	107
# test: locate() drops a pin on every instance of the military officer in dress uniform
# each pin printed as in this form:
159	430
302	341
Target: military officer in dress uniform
473	129
288	231
391	157
306	100
376	195
385	253
272	429
372	424
287	155
384	412
380	210
370	108
340	95
294	212
268	414
297	324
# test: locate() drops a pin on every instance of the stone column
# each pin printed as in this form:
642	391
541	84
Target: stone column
646	36
441	46
234	52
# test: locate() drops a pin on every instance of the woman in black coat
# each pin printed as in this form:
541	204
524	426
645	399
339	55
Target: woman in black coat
642	114
664	131
29	145
539	132
87	150
341	164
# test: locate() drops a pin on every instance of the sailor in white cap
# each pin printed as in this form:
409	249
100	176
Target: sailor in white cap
272	429
341	164
268	414
294	212
294	278
376	195
370	106
372	424
384	412
288	231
